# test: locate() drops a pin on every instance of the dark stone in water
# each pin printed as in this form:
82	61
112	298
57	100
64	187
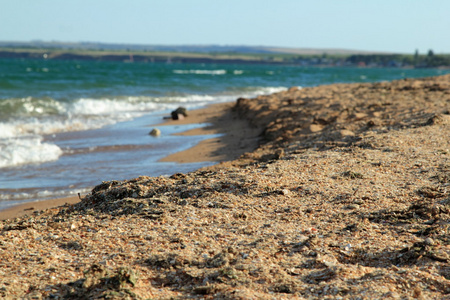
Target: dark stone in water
176	116
179	113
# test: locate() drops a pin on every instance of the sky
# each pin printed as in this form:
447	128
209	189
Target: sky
399	26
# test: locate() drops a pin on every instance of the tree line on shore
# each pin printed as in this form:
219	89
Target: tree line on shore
429	60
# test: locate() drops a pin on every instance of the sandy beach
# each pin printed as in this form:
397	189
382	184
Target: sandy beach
237	138
332	192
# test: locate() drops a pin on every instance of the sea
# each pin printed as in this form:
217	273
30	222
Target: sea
68	125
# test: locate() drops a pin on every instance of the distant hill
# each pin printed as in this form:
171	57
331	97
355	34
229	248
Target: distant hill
219	54
319	51
182	48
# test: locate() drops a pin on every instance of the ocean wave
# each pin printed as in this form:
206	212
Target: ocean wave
22	136
10	198
45	126
268	90
30	106
29	150
201	72
31	116
120	107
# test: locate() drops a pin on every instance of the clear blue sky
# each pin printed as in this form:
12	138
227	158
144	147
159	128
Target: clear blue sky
379	25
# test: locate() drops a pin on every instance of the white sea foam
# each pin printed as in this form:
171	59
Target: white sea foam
39	127
201	72
29	150
107	107
199	100
18	197
48	116
269	90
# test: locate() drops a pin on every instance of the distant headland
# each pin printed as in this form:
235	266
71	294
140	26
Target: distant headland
219	54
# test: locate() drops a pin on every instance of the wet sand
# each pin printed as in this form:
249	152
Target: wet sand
237	135
29	207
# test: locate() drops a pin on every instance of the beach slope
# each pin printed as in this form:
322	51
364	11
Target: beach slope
347	196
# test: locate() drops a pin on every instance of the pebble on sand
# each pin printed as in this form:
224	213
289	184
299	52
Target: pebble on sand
155	132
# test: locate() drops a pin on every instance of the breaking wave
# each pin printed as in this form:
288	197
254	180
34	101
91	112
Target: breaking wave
201	72
26	122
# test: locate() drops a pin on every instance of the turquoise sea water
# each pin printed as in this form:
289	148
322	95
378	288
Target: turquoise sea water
65	126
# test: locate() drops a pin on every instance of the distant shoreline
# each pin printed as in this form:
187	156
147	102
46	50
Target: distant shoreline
307	60
132	56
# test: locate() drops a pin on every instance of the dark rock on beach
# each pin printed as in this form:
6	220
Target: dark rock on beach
179	114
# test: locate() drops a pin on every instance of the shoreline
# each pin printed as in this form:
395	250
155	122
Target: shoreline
20	210
237	136
229	146
335	59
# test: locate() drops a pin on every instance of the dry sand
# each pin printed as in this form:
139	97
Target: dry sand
347	197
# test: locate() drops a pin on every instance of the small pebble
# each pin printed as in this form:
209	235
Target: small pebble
352	206
429	241
348	247
155	132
